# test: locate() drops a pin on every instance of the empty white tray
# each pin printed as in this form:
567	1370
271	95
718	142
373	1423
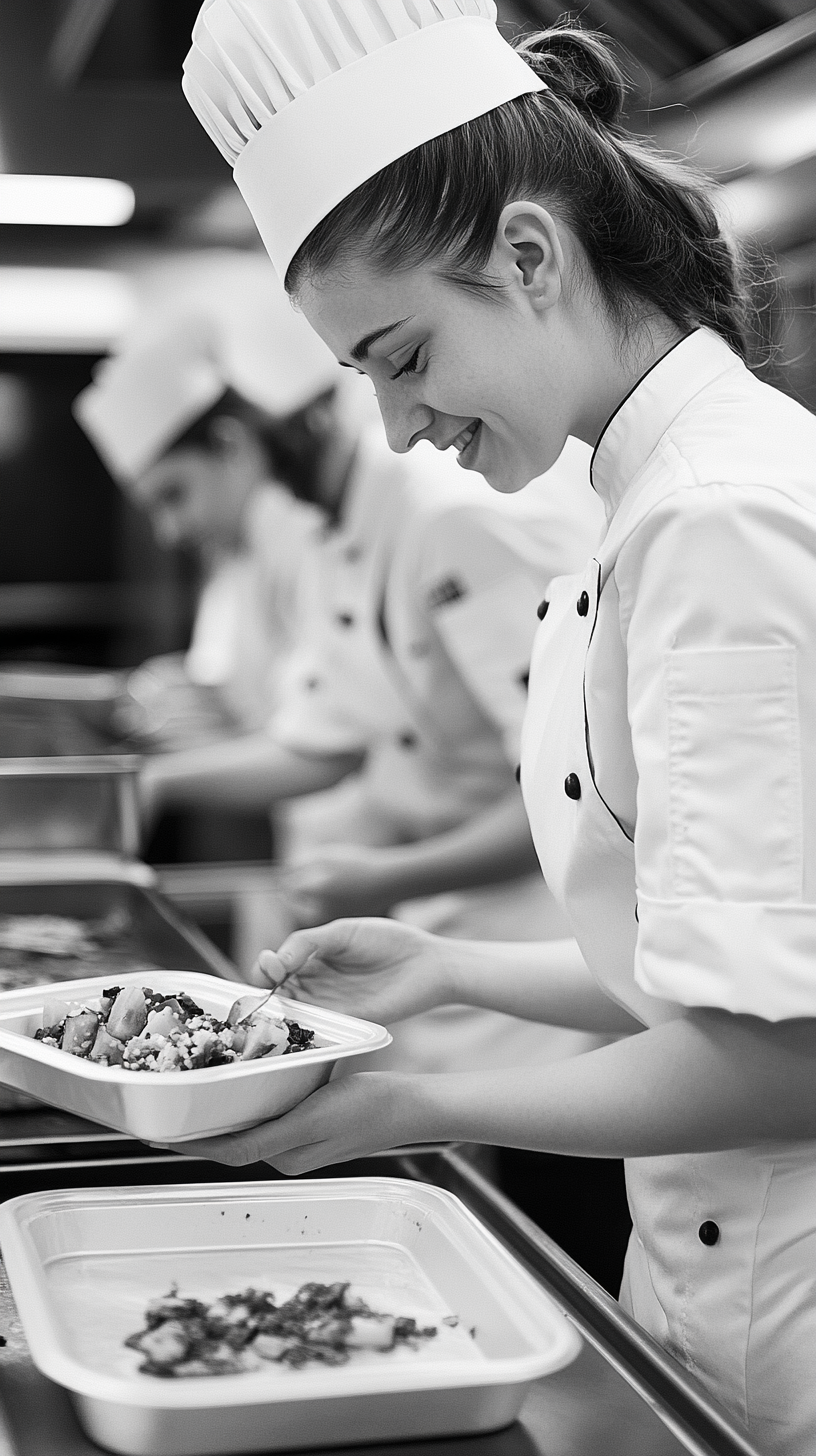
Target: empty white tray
173	1106
84	1263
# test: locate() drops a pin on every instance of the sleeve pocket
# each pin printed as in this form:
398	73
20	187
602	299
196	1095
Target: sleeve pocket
735	792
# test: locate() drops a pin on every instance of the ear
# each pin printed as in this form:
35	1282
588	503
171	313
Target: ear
528	255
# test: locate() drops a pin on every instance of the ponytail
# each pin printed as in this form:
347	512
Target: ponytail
647	224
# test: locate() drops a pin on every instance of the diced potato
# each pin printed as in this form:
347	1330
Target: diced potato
239	1036
265	1037
271	1347
54	1013
371	1332
244	1006
162	1023
80	1033
166	1344
106	1049
128	1014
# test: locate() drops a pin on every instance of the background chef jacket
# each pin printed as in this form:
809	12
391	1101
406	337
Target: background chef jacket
669	772
416	649
245	626
247	616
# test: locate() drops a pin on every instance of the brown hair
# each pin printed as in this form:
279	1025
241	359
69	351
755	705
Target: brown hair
646	224
290	446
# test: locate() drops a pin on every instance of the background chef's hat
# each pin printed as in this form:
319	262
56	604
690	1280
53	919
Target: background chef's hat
208	324
307	99
143	398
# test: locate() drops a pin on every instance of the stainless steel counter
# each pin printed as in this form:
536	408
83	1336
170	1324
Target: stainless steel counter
622	1397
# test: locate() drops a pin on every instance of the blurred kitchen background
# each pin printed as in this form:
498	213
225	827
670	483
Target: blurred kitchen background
90	89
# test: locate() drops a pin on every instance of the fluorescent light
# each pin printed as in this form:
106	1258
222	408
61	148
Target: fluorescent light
65	201
63	310
791	139
748	205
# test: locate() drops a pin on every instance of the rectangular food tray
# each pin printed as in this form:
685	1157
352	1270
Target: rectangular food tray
84	1263
173	1106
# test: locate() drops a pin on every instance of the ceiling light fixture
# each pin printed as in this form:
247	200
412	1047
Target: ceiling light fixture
63	310
64	201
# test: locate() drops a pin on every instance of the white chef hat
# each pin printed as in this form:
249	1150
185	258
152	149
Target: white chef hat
144	397
307	99
169	372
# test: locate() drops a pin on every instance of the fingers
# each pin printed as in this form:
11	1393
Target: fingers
236	1150
269	970
327	941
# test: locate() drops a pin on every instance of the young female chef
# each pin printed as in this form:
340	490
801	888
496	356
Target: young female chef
485	240
417	624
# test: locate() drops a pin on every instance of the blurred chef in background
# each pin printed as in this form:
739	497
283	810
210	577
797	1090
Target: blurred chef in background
195	442
419	609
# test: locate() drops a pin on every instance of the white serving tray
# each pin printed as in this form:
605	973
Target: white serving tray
173	1106
83	1264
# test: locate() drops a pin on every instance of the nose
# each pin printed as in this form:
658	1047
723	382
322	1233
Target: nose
406	419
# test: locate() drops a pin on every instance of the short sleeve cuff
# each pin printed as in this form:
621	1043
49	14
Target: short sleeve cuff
745	957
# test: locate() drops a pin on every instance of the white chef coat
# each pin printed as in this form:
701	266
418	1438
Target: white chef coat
669	771
416	652
247	615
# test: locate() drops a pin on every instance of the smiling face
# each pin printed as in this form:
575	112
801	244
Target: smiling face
498	375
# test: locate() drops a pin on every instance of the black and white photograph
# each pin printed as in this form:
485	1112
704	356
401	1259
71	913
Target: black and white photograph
408	727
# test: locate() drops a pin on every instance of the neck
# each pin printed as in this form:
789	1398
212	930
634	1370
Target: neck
618	363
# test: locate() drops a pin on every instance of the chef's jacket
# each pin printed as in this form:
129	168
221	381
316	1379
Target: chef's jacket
248	612
421	614
669	772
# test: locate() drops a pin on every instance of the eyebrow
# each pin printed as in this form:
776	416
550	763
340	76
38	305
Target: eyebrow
360	350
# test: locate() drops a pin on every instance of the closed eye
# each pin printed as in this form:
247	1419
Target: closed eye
410	367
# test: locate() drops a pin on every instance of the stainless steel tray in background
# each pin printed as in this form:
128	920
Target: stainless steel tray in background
623	1396
61	804
140	929
145	926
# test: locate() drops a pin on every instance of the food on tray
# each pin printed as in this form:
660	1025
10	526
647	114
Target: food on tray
45	935
37	948
141	1030
321	1323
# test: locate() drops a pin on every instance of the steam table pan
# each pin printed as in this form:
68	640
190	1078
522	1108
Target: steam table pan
173	1106
83	1264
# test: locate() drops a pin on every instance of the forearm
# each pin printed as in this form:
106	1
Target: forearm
545	981
493	846
706	1082
239	773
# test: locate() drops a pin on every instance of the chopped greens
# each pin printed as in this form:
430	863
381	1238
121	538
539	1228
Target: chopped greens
320	1324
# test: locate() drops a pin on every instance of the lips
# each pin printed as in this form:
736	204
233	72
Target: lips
463	439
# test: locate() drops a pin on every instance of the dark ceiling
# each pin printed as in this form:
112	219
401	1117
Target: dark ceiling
92	87
664	37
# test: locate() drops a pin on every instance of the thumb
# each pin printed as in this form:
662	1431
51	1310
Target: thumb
268	970
327	941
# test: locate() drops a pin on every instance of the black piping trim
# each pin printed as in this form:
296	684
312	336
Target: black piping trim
382	627
607	807
628	396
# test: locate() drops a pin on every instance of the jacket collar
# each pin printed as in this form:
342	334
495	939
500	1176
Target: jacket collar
632	433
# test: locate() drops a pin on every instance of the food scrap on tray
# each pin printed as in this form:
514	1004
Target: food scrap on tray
37	948
238	1333
141	1030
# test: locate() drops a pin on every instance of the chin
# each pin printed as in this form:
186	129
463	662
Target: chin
509	477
